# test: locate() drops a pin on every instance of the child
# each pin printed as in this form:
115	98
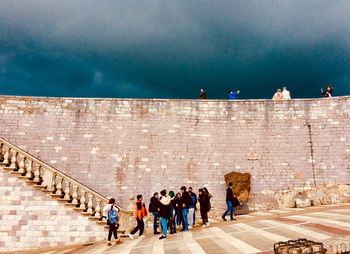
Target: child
110	211
140	212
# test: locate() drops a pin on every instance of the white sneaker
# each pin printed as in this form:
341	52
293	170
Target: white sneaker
204	226
189	227
208	224
131	236
141	236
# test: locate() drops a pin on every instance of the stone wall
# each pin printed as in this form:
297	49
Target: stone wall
120	147
30	218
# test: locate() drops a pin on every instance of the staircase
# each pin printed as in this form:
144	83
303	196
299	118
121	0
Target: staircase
58	185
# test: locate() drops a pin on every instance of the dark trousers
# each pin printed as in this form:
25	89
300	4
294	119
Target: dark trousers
112	230
204	215
140	226
155	222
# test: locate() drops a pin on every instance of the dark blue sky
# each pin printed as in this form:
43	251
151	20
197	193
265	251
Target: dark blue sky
169	49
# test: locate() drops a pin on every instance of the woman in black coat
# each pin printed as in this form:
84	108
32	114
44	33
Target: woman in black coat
204	202
154	209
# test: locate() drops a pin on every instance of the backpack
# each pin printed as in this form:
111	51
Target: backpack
144	210
112	216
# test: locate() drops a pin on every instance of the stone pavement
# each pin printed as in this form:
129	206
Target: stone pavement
253	233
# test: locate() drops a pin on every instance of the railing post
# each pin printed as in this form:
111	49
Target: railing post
83	199
1	151
75	195
6	156
67	195
21	164
98	208
13	164
37	173
90	204
29	174
58	185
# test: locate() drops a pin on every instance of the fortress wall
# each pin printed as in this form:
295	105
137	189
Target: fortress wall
121	147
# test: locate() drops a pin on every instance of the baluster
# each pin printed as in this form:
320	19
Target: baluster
83	199
29	174
6	156
89	205
75	195
67	195
98	208
21	165
13	164
58	185
1	151
37	173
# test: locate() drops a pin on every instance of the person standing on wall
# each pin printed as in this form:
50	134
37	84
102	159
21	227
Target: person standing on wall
164	213
154	209
192	208
202	94
328	92
285	94
110	211
233	95
278	95
140	213
230	208
185	202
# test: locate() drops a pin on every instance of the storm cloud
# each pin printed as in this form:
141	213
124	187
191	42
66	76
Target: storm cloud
169	49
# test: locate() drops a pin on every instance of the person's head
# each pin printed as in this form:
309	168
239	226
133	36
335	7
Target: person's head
155	195
178	195
171	194
139	197
284	88
329	88
111	201
229	91
200	192
279	90
238	91
230	184
190	189
183	189
205	190
202	90
163	193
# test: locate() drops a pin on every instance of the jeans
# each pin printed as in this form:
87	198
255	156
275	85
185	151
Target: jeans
140	226
155	222
112	230
190	216
185	219
164	225
178	217
230	209
194	217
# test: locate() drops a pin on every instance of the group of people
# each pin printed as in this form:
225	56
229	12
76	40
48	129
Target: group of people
280	94
172	210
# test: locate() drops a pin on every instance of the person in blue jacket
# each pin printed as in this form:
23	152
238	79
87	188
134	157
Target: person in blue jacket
233	95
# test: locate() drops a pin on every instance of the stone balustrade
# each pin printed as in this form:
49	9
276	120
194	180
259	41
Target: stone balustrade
58	185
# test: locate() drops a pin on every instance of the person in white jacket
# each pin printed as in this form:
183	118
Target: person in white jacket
110	211
164	213
285	94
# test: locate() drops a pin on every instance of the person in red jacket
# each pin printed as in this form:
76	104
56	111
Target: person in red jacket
140	212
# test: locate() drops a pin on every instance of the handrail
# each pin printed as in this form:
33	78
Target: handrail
63	175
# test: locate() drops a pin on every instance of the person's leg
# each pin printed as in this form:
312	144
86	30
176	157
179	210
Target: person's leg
155	222
136	228
194	217
190	216
232	212
203	217
141	226
115	233
185	222
110	231
163	222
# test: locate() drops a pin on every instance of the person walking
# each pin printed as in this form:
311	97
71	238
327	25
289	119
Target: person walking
192	208
154	209
140	213
202	94
203	200
164	213
230	208
110	211
285	94
233	95
328	92
185	202
172	224
278	95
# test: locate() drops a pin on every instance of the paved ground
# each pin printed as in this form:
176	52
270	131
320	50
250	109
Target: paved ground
253	233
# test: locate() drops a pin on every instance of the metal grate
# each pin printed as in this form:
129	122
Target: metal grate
300	246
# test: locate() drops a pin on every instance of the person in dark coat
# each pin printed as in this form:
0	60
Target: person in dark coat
202	94
204	203
164	213
185	202
178	208
154	209
172	224
328	92
230	208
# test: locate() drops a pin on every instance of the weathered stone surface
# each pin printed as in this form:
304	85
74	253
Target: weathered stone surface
120	147
241	184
